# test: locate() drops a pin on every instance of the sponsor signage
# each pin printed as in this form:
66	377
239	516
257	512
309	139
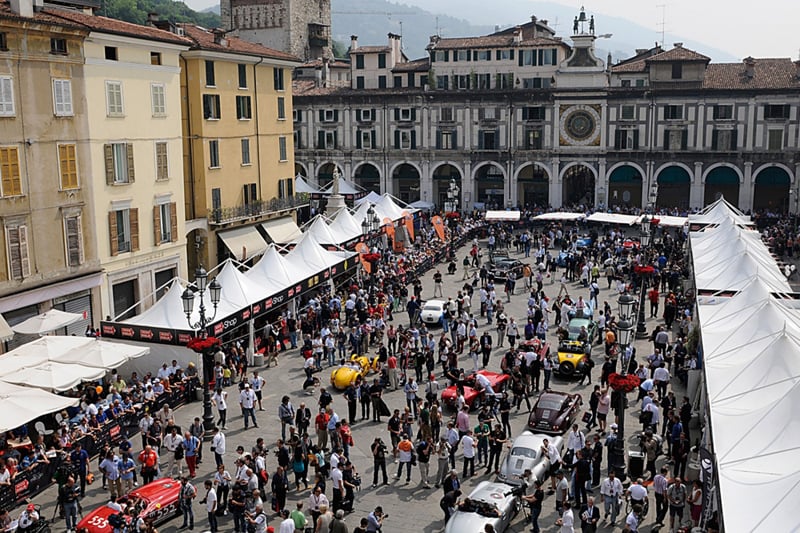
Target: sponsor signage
116	330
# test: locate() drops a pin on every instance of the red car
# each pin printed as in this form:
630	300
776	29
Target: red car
159	501
496	381
554	412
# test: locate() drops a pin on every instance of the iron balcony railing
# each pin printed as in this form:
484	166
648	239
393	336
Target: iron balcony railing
225	215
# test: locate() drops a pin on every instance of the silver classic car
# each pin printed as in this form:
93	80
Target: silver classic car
490	503
526	454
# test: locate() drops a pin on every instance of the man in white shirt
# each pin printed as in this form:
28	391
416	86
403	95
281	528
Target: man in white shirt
610	492
468	445
576	440
220	398
567	520
485	384
287	524
218	446
172	442
163	372
257	383
555	461
247	401
661	380
638	492
211	505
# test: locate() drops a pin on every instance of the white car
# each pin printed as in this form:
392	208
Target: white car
432	311
492	503
526	454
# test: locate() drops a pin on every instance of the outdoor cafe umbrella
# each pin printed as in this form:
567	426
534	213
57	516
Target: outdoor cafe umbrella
58	377
23	404
46	322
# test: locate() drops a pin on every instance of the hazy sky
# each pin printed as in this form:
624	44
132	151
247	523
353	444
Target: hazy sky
764	28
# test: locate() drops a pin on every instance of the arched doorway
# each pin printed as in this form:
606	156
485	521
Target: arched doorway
771	190
722	181
325	174
578	186
300	170
442	175
625	187
674	184
406	182
533	186
489	186
368	177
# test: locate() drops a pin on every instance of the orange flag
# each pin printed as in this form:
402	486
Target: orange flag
438	225
388	226
409	220
362	250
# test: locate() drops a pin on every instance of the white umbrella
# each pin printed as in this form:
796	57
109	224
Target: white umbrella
100	354
46	322
55	376
23	404
5	330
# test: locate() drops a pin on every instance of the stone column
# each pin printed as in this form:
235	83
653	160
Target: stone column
601	187
746	189
697	192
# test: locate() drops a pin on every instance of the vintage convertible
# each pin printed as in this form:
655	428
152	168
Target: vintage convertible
490	503
472	394
350	372
157	501
526	454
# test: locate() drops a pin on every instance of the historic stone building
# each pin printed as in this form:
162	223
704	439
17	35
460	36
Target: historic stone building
520	117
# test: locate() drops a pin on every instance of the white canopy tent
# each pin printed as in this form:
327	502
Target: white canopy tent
388	208
497	216
720	211
667	221
47	322
371	197
6	333
165	313
560	216
301	185
612	218
23	404
59	377
321	232
422	205
308	252
345	226
346	188
275	271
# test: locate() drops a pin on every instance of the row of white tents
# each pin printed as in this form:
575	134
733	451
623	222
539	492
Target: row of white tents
610	218
749	319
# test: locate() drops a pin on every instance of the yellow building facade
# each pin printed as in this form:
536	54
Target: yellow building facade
238	151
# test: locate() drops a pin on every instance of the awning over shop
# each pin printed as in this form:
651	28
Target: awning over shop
282	230
244	243
49	292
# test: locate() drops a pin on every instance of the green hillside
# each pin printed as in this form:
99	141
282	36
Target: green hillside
136	11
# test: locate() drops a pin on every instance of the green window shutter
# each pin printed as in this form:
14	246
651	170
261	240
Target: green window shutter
413	139
734	139
512	55
397	139
322	115
335	139
320	139
636	139
446	56
438	140
497	55
397	113
519	59
554	57
454	139
714	139
666	139
336	115
618	139
469	55
358	139
684	139
372	133
413	114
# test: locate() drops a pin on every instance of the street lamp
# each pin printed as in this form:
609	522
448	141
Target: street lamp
626	304
187	298
644	241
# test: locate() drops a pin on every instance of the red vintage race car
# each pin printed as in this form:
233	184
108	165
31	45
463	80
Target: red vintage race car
158	502
472	396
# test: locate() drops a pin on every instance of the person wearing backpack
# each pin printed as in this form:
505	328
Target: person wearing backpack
424	449
187	495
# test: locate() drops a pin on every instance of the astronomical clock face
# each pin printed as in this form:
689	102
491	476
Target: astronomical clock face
580	125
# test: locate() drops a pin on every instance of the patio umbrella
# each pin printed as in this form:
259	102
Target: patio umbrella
23	404
46	322
58	377
100	354
5	330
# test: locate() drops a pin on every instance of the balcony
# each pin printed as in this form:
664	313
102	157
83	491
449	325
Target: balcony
261	208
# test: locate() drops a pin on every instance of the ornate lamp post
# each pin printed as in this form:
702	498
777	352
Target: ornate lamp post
644	239
626	304
215	290
369	229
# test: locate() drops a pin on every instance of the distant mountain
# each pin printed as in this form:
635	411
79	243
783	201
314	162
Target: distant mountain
212	9
136	11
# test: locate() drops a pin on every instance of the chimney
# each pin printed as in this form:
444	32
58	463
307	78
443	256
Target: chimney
517	35
353	42
678	45
749	66
219	37
23	8
326	71
534	19
152	18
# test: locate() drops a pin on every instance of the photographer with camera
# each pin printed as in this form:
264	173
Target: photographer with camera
68	495
534	501
375	520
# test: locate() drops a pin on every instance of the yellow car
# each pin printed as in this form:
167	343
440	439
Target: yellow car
570	355
349	373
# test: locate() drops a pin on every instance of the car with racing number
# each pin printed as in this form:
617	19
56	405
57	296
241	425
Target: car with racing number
157	502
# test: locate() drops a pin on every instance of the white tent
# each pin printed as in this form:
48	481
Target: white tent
303	186
559	215
312	255
422	205
346	187
345	226
388	208
612	218
494	216
667	221
371	197
274	271
238	290
87	351
165	313
54	376
46	322
720	211
321	232
361	213
101	354
23	404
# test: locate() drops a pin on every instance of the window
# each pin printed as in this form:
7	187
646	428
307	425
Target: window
446	114
382	82
359	62
627	112
675	140
381	60
242	76
410	78
112	53
487	113
446	140
625	83
441	55
775	140
162	161
296	138
216	202
213	154
282	152
673	112
19	265
58	46
123	230
626	139
73	240
155	58
534	138
211	106
527	58
3	41
249	193
723	140
640	82
442	82
114	106
405	114
62	98
365	115
482	55
243	109
285	188
773	111
326	140
277	79
677	71
119	163
359	82
365	139
487	140
6	97
158	99
246	152
504	55
67	166
462	55
536	83
210	76
533	113
10	180
462	81
483	81
329	115
297	115
165	223
548	56
723	112
405	140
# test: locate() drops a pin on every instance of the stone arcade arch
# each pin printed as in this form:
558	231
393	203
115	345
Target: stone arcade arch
368	176
722	180
489	181
405	182
441	176
625	186
533	185
674	186
578	184
771	188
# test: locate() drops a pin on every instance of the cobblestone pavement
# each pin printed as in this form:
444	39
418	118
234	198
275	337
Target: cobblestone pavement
410	507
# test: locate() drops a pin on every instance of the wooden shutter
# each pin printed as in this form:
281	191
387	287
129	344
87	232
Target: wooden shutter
512	55
372	133
734	139
397	114
714	139
666	139
684	139
358	138
157	224
68	166
173	221
413	139
496	55
358	115
635	139
321	139
438	140
413	114
447	55
453	139
9	171
335	139
18	252
113	231
397	139
618	139
74	241
519	58
336	115
134	223
108	150
129	153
